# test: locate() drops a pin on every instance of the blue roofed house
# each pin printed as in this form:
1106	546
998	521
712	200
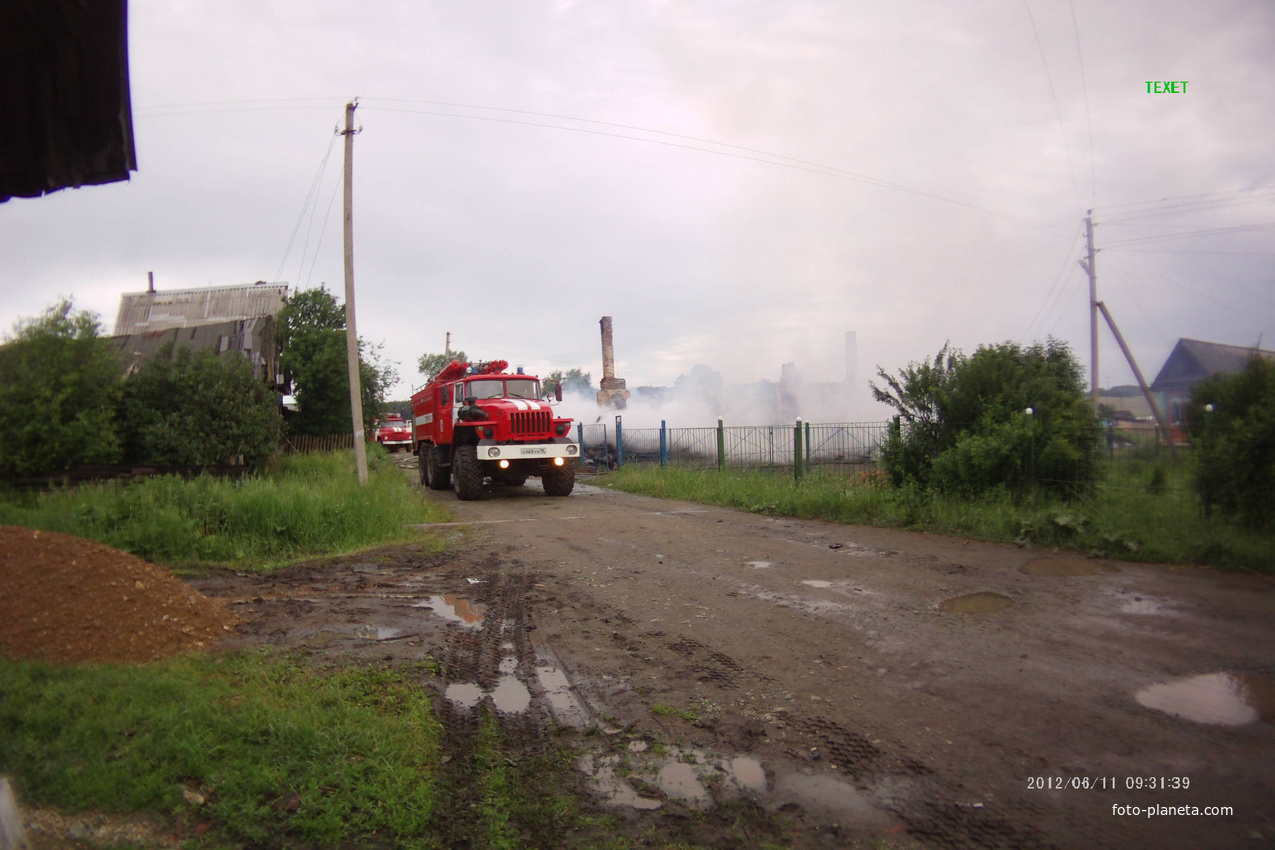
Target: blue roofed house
1190	362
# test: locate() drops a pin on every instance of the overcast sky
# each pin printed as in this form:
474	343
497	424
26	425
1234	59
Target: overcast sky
737	184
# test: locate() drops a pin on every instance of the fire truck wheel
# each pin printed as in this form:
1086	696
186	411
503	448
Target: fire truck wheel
436	478
422	466
468	473
559	480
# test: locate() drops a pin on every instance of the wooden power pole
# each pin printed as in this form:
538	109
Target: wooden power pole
1088	265
351	332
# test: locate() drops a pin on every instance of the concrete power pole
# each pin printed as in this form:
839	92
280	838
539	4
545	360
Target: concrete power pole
1088	265
351	332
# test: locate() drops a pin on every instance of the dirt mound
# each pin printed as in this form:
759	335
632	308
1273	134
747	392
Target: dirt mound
67	600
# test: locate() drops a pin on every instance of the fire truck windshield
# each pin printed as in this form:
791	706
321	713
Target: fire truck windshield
486	388
498	388
522	388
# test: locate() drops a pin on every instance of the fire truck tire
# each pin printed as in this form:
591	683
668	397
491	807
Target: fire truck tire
422	466
436	478
468	473
559	480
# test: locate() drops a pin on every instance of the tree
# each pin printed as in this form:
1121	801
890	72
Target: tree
1235	443
571	381
313	359
59	382
188	409
964	425
431	364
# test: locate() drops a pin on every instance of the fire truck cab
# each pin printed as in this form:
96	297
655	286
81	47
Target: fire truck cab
477	422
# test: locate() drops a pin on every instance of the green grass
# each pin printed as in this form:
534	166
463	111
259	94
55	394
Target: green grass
300	506
1140	515
359	747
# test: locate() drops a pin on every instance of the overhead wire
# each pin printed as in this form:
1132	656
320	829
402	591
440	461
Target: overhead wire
1084	84
314	187
1058	279
729	150
1053	93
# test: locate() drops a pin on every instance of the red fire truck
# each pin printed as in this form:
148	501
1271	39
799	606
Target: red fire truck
393	432
475	421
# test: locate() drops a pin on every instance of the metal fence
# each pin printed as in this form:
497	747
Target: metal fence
1131	457
842	448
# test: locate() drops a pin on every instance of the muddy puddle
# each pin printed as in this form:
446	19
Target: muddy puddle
648	778
1146	606
1065	567
323	637
984	602
454	609
1223	699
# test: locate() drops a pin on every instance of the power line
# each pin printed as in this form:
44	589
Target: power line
314	188
1084	83
764	157
1191	234
1058	279
1062	130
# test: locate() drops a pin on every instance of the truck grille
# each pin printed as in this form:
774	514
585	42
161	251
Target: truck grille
530	422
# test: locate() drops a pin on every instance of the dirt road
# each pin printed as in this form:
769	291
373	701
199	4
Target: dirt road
923	690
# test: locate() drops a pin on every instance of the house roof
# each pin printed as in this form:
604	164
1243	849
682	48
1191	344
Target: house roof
253	337
143	312
1193	360
68	118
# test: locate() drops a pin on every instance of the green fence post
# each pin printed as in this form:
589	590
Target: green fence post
796	451
807	464
619	443
1031	449
721	446
663	443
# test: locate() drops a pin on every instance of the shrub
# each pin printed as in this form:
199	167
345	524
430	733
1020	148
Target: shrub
184	408
58	389
964	426
1235	443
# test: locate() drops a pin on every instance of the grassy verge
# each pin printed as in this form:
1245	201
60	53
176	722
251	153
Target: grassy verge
302	505
266	750
1143	523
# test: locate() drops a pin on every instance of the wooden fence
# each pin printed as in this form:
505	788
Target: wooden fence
307	443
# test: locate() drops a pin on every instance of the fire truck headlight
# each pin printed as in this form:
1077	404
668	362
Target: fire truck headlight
557	461
493	452
504	464
561	429
572	449
487	432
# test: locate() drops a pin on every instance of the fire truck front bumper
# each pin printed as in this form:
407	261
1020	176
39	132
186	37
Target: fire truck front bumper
491	450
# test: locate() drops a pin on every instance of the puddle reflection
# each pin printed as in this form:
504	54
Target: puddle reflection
1225	699
455	609
510	696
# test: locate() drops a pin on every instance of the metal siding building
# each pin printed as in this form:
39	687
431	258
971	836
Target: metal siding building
218	318
142	312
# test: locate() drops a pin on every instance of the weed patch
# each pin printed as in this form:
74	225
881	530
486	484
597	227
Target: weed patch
302	505
267	750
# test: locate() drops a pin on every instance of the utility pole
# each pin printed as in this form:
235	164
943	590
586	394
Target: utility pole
351	332
1088	265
